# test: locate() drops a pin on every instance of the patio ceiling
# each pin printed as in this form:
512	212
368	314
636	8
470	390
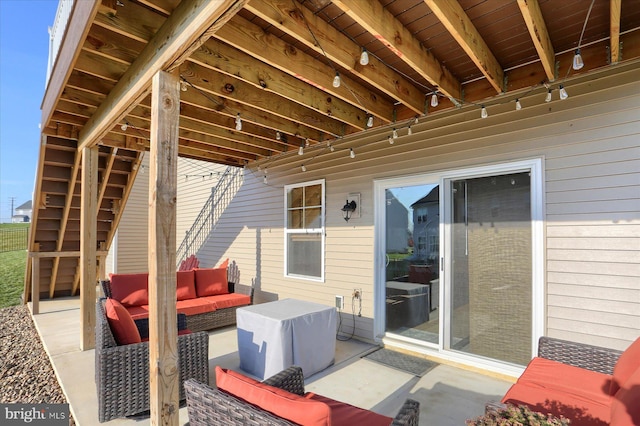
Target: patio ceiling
272	62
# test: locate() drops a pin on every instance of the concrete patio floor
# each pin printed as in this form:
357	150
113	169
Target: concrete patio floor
448	395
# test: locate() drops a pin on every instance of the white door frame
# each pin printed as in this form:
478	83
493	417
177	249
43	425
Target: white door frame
535	166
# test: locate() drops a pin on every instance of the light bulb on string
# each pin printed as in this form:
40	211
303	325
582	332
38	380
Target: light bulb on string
331	148
578	63
352	153
264	179
304	169
483	112
518	105
336	80
307	142
390	139
370	121
124	127
409	131
548	98
364	57
563	93
434	100
415	121
238	122
301	149
395	134
183	85
278	136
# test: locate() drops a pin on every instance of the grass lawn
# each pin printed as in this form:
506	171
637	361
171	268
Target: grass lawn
12	267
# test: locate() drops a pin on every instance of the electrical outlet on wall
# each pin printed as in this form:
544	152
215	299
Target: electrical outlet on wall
339	302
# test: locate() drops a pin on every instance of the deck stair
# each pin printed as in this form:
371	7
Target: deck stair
55	231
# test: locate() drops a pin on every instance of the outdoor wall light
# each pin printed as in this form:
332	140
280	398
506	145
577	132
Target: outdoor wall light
348	209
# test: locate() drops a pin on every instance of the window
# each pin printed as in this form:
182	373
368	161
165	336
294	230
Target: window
304	230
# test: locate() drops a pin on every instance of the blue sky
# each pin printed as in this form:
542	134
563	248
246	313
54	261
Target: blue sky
24	52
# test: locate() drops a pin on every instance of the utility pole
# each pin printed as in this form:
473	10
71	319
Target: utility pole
12	200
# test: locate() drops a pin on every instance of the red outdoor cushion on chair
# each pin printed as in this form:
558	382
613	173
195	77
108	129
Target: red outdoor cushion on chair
122	326
130	289
211	281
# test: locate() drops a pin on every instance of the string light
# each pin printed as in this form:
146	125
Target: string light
370	121
301	149
331	148
563	93
395	134
238	122
352	154
483	112
390	140
364	57
278	136
434	100
336	80
518	105
578	63
124	126
183	85
304	169
264	179
307	142
409	131
548	98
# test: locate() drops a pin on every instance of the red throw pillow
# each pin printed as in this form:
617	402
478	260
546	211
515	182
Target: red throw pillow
186	285
122	325
130	289
289	406
211	281
626	366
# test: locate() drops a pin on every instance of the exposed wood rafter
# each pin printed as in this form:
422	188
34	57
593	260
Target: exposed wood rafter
532	15
614	17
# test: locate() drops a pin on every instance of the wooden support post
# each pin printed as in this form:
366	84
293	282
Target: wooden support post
102	266
163	172
35	283
88	249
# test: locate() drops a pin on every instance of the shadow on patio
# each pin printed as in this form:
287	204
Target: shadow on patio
447	395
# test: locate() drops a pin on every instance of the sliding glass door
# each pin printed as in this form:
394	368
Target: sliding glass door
460	262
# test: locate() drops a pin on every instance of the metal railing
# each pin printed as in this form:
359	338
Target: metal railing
207	219
14	239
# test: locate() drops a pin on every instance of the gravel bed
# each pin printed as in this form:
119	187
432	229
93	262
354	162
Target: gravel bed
26	374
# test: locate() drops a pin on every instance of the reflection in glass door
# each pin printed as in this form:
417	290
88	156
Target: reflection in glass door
412	249
490	297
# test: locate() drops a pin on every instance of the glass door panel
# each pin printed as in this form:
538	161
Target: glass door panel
412	249
490	301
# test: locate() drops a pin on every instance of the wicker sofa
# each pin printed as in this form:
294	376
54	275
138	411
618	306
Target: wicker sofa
209	297
284	400
589	385
122	371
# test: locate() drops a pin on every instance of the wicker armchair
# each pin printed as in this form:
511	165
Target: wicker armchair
122	372
211	407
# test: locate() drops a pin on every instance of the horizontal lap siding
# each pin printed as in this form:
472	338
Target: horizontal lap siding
590	146
593	230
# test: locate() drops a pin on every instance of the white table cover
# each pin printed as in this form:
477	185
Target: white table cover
276	335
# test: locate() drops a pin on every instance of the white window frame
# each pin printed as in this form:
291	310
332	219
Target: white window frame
320	230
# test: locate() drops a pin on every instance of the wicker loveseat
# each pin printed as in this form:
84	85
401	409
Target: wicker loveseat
122	371
209	297
589	385
279	400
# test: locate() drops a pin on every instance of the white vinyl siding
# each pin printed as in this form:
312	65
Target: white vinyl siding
591	165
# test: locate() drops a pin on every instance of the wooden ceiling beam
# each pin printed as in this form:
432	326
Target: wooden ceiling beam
299	22
251	39
179	32
378	21
532	15
228	87
459	25
614	17
225	59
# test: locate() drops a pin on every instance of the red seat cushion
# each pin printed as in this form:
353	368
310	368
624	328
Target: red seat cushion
228	300
580	410
343	414
124	329
186	285
211	281
289	406
130	289
199	305
627	364
548	374
625	406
